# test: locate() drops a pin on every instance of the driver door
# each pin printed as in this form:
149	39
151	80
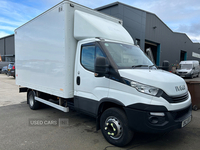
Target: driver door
89	90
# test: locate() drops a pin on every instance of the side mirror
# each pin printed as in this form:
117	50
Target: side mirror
101	66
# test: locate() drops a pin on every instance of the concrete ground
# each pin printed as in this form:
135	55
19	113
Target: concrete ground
19	131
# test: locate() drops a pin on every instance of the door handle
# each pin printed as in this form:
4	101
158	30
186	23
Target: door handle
78	80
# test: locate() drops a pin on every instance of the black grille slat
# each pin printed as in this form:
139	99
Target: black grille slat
181	98
175	99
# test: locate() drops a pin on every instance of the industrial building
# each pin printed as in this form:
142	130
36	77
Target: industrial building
147	31
7	48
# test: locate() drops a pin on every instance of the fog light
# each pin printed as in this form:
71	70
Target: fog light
153	120
157	114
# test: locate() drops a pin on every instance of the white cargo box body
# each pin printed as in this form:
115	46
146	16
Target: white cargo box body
45	47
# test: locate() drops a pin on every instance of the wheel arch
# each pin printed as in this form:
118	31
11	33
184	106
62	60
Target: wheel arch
103	105
106	103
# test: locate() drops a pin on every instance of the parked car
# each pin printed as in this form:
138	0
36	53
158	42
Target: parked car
2	64
11	70
188	69
4	70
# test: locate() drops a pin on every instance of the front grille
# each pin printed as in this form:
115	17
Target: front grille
175	99
182	73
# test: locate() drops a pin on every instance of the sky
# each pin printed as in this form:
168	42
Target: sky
179	15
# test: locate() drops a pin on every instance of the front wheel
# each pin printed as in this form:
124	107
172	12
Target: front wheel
114	127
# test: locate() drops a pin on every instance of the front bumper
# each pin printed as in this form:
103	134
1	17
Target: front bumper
184	74
141	120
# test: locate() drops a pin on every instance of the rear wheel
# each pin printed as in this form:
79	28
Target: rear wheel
33	104
114	127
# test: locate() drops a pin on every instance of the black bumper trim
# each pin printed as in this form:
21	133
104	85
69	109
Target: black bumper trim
140	120
145	107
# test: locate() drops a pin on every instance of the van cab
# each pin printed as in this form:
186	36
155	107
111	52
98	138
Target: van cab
188	68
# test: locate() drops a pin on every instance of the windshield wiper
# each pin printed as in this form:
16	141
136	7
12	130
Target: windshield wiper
139	66
151	66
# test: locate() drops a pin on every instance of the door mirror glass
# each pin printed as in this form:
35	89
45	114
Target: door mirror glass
101	66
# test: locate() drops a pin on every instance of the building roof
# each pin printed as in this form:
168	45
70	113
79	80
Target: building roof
6	36
117	3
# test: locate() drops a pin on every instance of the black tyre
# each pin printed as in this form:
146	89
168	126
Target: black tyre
114	127
33	104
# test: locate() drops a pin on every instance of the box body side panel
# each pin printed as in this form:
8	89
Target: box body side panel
41	54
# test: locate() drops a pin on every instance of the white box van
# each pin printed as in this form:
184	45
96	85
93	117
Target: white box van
85	60
189	68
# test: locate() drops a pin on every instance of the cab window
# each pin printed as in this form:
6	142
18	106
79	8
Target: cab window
88	56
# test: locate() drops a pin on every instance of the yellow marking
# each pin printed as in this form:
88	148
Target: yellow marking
108	133
113	127
61	89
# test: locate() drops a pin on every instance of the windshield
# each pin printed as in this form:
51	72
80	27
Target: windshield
128	56
185	66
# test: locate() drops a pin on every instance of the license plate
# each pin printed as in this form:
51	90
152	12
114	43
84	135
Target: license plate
186	121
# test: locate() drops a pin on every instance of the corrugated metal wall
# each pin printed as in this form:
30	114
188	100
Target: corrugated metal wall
1	47
9	45
171	43
7	48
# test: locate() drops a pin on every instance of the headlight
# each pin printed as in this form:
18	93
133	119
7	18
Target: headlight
144	88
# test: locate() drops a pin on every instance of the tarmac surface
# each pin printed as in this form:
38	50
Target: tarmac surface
51	129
